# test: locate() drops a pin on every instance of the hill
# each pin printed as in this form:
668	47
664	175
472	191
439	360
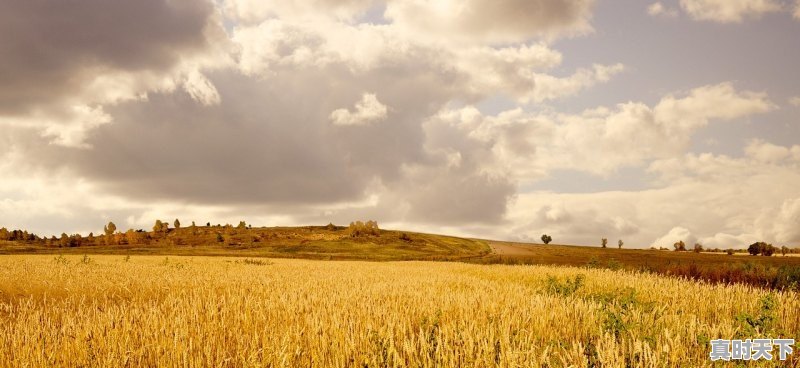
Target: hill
312	242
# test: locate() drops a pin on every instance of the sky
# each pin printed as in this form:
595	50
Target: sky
650	122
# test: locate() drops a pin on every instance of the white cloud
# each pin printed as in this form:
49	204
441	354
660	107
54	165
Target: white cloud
767	152
797	10
492	21
367	111
720	101
312	10
658	9
728	11
675	235
717	200
528	145
795	101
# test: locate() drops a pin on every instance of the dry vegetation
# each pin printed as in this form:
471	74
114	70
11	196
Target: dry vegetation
198	311
775	272
360	241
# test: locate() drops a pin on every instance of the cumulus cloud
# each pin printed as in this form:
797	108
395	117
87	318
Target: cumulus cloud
491	20
62	60
728	11
367	111
675	235
770	153
256	10
797	10
599	140
717	200
658	9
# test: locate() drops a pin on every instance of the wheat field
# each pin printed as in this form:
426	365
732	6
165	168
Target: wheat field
110	311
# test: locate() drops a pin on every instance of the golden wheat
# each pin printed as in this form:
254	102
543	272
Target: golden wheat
192	311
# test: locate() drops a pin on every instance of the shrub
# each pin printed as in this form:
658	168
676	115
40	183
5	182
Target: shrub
761	248
359	229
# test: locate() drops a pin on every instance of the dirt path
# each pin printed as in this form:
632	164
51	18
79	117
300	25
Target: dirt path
510	249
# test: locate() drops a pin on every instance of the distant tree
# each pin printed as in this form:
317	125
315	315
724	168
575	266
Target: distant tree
177	224
604	242
698	247
4	234
158	226
64	241
208	224
761	248
110	228
620	243
75	240
242	225
546	238
680	246
359	229
784	250
730	252
90	239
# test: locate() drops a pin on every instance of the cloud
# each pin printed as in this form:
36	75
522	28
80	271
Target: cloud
770	153
717	200
658	9
795	101
528	146
797	10
491	21
62	60
675	235
259	10
367	111
728	11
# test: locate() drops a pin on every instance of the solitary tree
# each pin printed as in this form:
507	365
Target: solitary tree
546	238
698	247
680	246
109	232
604	241
177	224
620	243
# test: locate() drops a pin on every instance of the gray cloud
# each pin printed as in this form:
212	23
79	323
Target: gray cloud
53	49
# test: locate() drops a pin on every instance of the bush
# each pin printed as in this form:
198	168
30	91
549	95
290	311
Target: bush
359	229
761	248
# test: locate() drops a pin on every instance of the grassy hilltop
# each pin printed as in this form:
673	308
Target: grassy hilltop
312	242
